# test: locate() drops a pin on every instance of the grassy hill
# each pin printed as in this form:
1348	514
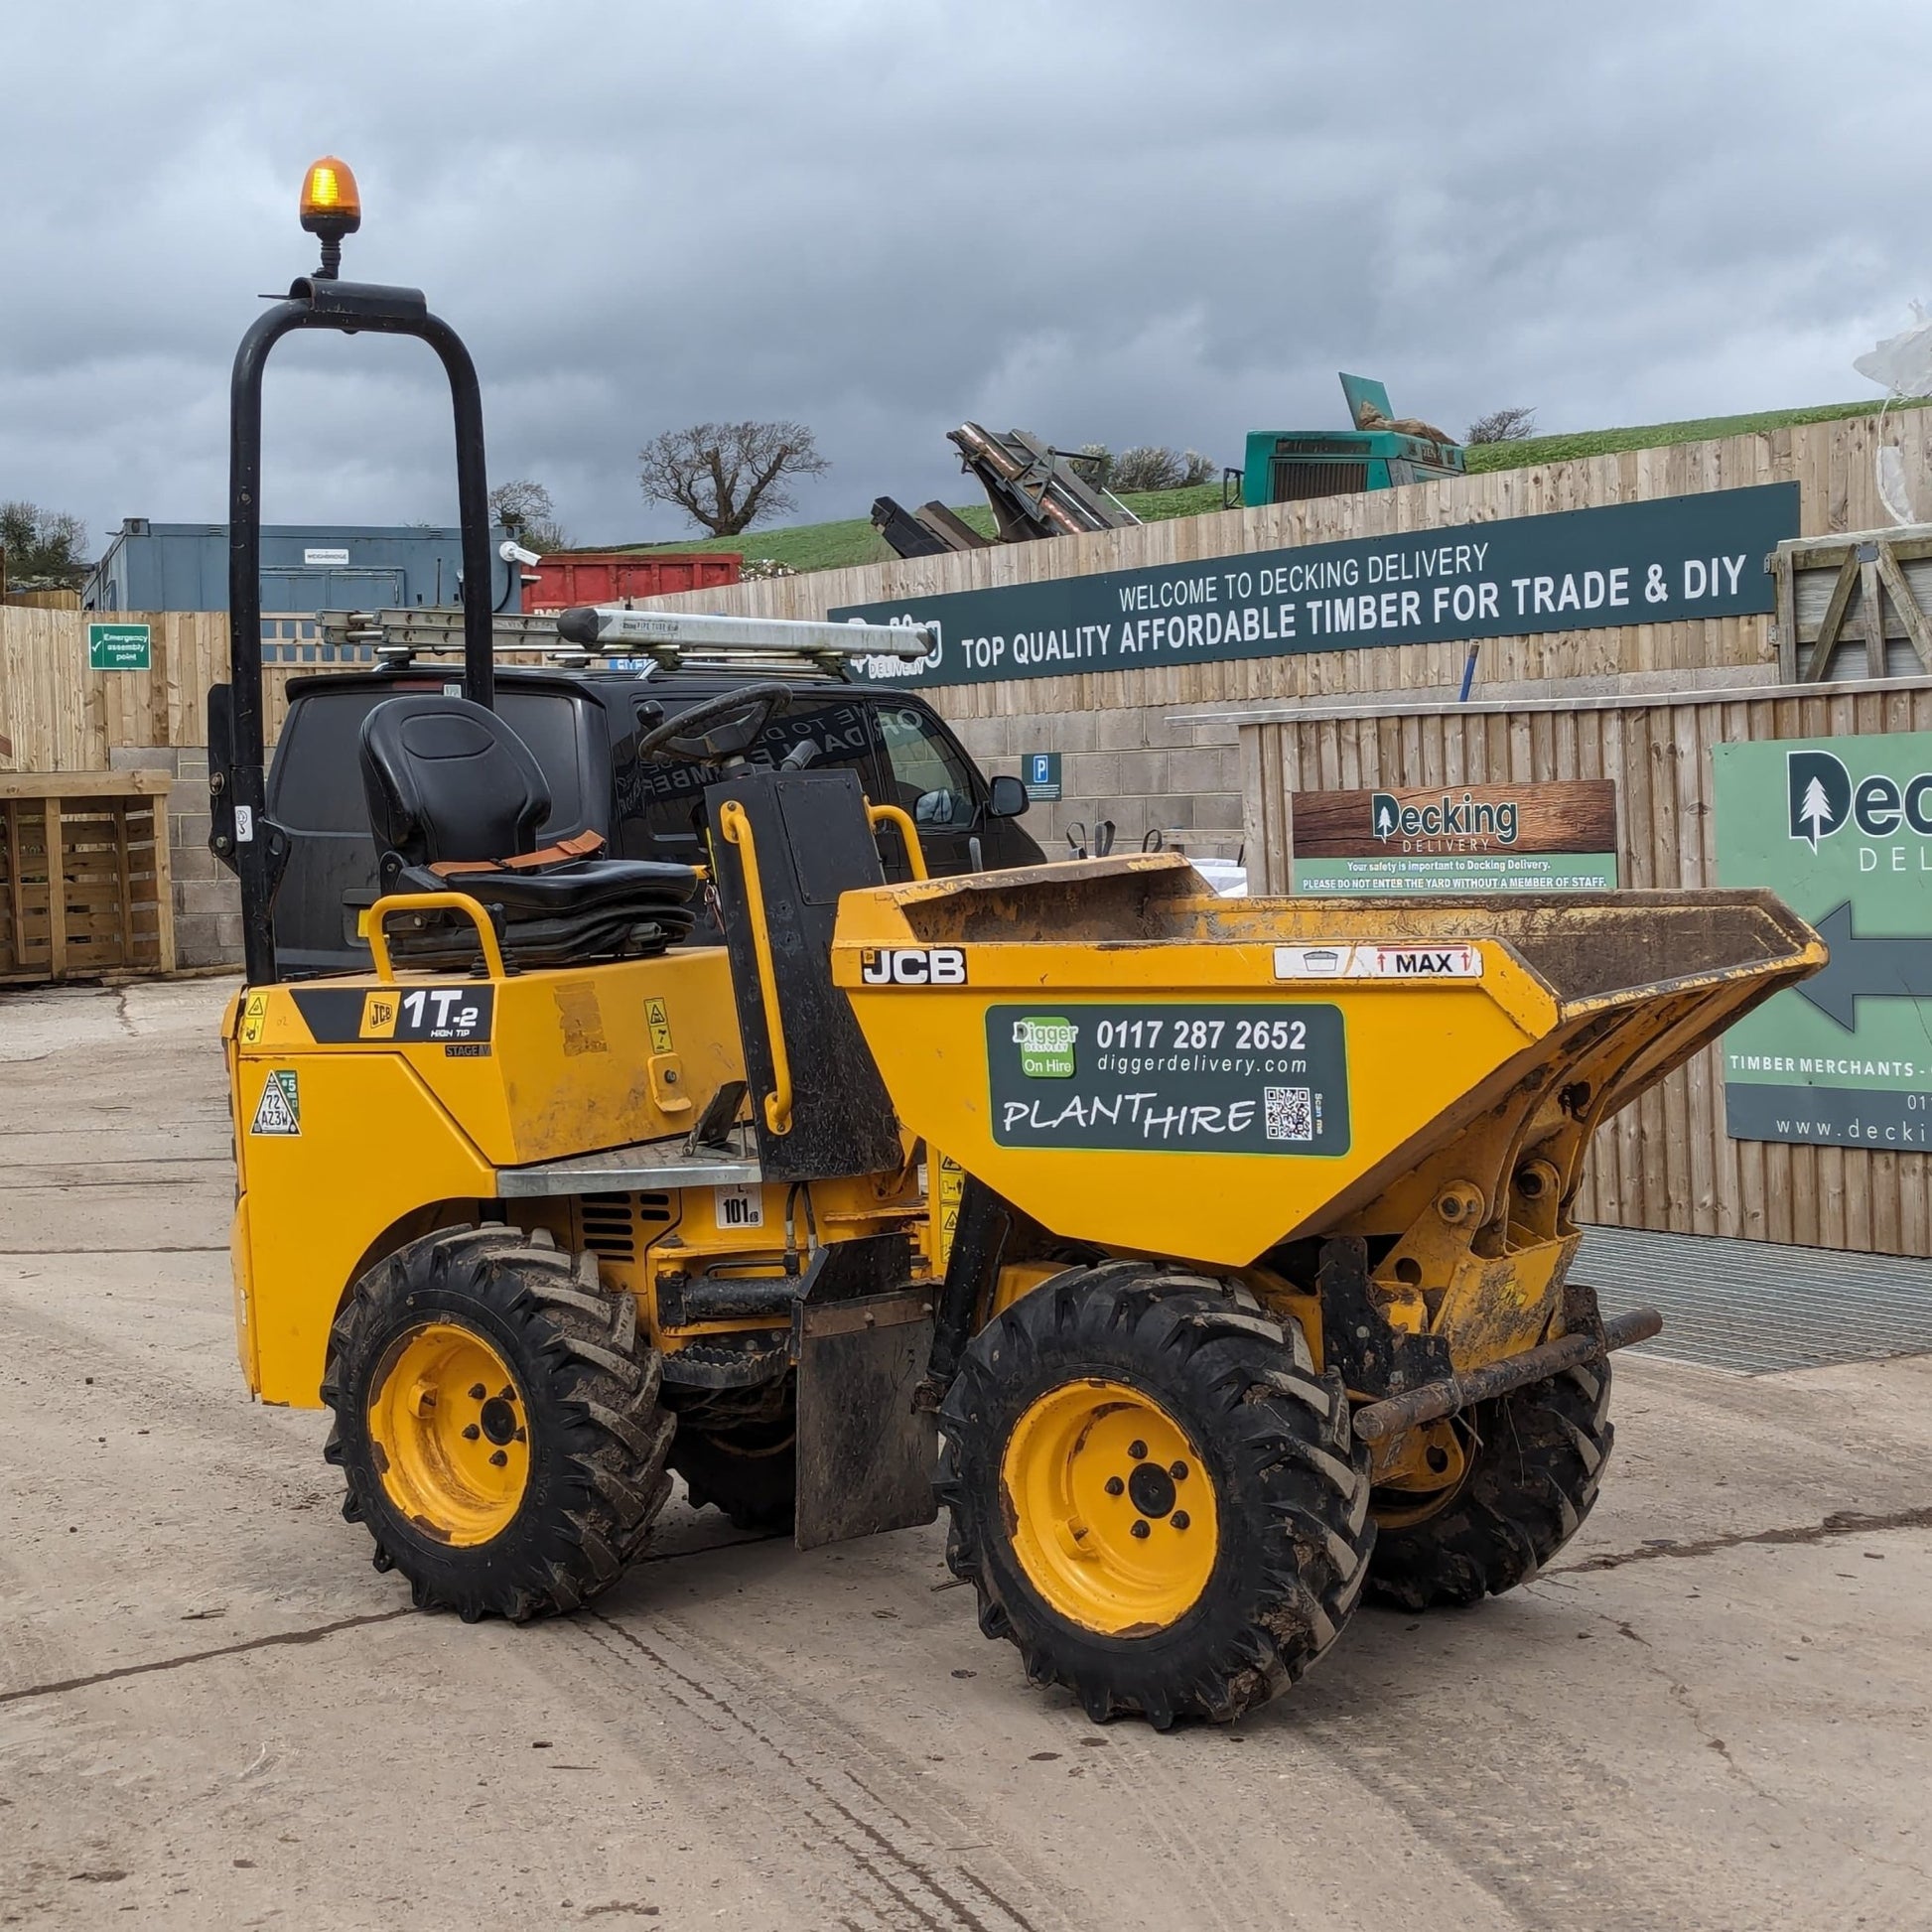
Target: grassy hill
1652	436
828	546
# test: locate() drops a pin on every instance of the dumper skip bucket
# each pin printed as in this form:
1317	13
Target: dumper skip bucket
1137	1062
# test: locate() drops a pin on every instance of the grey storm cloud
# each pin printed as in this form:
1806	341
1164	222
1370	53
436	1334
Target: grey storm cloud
1143	222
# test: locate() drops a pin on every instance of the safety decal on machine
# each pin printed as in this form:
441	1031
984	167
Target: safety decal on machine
254	1016
659	1021
1194	1078
1456	961
952	1190
279	1111
437	1014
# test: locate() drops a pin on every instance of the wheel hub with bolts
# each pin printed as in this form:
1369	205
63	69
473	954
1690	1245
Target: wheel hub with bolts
1096	1473
448	1426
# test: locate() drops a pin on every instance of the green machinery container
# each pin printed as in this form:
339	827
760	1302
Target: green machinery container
1283	466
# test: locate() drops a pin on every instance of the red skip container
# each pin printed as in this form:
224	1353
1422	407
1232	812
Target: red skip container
611	576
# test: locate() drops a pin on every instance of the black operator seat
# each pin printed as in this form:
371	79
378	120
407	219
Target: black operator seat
455	801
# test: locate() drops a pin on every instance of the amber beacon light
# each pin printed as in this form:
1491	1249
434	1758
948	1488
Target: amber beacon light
332	206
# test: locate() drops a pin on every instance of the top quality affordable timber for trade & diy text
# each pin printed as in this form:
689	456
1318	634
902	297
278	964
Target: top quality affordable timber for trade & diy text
1661	560
1338	597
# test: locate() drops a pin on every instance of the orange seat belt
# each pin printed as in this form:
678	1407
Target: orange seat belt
580	845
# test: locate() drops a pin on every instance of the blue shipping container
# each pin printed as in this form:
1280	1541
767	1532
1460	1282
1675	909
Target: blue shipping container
351	567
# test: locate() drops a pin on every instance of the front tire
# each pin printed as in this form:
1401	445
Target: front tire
1535	1460
496	1422
1158	1500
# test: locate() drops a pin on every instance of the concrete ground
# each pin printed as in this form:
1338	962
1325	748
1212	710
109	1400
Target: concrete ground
1711	1711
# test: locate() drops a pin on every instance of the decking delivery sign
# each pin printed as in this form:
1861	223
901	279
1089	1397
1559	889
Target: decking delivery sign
1842	829
1658	562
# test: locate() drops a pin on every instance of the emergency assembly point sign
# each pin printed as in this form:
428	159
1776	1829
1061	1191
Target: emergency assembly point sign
1657	562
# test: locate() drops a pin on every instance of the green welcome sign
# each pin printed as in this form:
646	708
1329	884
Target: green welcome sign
1656	562
1841	828
119	647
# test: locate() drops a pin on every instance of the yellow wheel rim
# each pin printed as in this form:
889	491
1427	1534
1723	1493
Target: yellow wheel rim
449	1433
1111	1513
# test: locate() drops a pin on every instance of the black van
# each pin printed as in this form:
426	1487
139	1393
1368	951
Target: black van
583	725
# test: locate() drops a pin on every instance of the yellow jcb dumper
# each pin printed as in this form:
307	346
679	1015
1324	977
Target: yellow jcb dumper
1214	1253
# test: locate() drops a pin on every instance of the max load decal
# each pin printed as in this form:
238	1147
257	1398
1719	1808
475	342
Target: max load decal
1194	1078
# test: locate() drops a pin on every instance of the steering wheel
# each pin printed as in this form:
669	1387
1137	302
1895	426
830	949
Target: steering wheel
739	717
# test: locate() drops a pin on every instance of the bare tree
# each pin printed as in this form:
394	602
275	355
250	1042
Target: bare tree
1502	426
43	549
1146	467
727	475
523	508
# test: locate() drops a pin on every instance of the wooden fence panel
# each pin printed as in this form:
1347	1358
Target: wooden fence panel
58	715
61	717
1832	462
1665	1163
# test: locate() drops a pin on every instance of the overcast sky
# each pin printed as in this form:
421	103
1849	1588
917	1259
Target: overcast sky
1137	222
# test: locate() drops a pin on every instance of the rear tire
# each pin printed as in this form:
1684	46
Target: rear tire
1535	1461
1092	1573
496	1422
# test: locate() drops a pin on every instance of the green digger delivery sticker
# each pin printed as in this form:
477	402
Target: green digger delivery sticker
1251	1077
1045	1047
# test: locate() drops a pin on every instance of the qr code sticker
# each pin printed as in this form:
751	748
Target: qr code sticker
1292	1113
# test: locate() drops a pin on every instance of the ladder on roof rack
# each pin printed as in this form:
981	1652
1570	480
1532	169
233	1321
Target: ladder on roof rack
639	640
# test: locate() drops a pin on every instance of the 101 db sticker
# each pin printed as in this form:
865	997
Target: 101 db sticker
1197	1078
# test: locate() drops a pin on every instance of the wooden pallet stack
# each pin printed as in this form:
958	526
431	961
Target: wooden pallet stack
1853	606
85	882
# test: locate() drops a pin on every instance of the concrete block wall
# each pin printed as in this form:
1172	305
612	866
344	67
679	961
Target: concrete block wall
1137	766
207	902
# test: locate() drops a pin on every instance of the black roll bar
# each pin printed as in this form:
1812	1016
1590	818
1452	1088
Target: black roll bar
243	836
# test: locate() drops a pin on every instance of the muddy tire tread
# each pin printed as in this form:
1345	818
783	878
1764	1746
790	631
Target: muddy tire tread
1534	1476
1289	1482
600	1383
755	1491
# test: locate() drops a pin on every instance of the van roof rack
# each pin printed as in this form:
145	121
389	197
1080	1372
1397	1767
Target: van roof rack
639	640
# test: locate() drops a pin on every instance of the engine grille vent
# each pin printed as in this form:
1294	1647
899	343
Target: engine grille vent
1297	482
611	1221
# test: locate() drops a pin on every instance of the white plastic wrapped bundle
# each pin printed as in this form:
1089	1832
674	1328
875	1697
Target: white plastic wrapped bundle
1902	363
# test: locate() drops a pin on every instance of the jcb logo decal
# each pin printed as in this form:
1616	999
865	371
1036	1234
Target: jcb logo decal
913	966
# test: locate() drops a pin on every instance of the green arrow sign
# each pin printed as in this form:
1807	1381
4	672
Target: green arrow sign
1867	968
1842	829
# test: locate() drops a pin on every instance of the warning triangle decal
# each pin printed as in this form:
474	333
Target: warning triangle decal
279	1111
